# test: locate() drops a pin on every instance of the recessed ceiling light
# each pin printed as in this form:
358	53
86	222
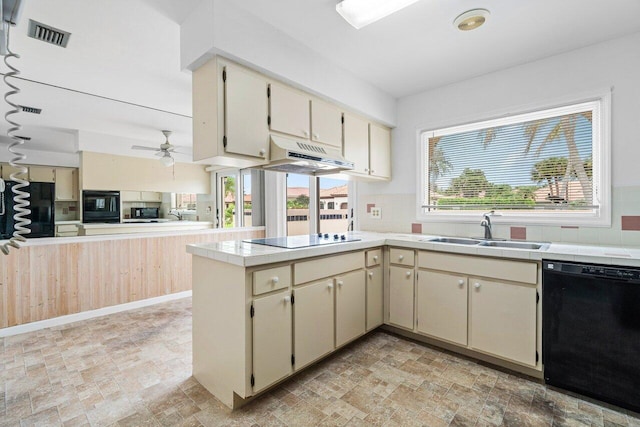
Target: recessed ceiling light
471	19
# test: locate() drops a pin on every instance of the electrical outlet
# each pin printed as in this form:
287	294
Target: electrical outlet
376	213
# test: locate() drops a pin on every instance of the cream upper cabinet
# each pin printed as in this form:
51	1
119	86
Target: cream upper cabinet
288	111
401	284
379	151
326	123
7	170
130	196
442	306
151	196
350	306
246	131
66	184
313	320
368	145
356	143
272	344
41	174
503	319
141	196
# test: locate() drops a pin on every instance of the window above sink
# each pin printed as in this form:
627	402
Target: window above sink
550	166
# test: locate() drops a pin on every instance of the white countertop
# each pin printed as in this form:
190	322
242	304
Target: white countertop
147	224
45	241
247	254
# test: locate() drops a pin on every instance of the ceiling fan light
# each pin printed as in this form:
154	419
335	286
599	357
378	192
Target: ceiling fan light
360	13
167	160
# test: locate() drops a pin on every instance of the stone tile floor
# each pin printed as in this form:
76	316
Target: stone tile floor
134	369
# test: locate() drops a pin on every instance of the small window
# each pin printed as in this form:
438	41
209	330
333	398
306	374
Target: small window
550	166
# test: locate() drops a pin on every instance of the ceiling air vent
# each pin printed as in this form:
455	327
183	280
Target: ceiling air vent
48	34
32	110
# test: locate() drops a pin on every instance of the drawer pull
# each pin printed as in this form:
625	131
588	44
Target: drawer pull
263	151
375	258
275	280
401	257
371	274
476	285
408	274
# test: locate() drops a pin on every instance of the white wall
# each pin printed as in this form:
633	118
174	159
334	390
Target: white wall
612	64
220	27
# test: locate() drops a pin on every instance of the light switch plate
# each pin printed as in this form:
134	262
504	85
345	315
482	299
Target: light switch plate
376	213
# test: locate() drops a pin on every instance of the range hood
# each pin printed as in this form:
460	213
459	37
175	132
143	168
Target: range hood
305	157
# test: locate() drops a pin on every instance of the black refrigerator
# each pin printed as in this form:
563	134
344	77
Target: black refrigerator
42	210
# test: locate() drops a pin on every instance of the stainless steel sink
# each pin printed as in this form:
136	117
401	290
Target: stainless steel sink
455	240
514	245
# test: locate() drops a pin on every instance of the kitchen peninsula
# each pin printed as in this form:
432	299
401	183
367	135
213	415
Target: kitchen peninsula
263	313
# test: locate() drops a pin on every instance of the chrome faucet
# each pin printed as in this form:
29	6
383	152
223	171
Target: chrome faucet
177	214
486	223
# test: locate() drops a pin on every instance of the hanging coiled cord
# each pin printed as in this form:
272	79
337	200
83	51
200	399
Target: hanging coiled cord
20	197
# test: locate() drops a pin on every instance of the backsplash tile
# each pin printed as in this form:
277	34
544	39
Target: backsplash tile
631	223
519	233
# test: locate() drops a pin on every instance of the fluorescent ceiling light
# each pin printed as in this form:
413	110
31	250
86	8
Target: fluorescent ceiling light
360	13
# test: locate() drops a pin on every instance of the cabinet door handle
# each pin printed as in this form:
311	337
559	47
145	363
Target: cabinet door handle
275	280
330	286
371	274
316	136
476	285
375	258
263	151
408	274
287	299
366	169
340	283
305	133
460	282
372	171
401	257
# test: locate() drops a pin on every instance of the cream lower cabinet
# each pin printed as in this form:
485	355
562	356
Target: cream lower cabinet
488	305
503	319
375	297
314	321
401	281
272	346
442	306
401	287
350	306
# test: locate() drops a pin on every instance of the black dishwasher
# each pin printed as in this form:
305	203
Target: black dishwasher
591	330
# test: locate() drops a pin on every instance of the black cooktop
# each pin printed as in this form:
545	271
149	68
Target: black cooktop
293	242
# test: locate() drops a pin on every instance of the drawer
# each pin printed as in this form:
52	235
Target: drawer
66	228
374	257
271	279
320	268
515	271
402	257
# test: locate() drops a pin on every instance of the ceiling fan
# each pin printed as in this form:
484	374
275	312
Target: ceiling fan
164	151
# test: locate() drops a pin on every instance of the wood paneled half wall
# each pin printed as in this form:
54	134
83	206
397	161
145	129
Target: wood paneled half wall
39	282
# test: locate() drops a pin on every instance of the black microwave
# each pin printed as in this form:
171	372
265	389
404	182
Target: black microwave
145	213
100	206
